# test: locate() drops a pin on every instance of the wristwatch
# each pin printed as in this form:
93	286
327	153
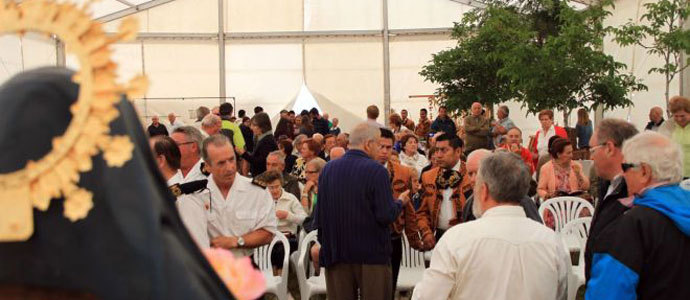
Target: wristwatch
240	242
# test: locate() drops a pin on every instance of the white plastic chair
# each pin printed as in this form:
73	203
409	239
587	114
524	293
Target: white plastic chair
564	210
411	267
314	285
295	256
276	285
577	230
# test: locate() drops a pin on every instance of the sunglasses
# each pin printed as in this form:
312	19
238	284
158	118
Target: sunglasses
628	166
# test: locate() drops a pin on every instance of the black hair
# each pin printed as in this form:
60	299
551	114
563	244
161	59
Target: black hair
387	134
453	139
225	109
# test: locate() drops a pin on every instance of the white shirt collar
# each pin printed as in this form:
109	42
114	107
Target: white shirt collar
458	165
194	173
239	184
505	211
175	179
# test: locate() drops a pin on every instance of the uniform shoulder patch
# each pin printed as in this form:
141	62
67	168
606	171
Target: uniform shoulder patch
188	188
258	182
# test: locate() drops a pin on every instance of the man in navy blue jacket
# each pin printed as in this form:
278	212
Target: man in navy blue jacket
353	214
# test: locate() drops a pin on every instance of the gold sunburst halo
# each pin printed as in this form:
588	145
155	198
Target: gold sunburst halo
57	173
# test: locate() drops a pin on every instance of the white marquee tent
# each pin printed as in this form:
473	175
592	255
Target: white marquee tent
342	55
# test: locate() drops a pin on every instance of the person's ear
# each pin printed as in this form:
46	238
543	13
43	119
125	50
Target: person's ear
646	172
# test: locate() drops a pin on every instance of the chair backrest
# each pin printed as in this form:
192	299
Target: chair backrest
262	255
411	258
565	209
578	229
304	251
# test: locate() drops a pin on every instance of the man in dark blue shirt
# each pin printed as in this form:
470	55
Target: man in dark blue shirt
353	215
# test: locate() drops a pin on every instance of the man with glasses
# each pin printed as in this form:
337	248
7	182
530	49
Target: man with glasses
443	191
605	148
189	140
645	253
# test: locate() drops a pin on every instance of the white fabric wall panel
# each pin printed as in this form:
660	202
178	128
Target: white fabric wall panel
407	57
263	15
342	14
181	69
184	16
39	51
267	74
644	101
128	59
10	56
143	18
404	14
348	72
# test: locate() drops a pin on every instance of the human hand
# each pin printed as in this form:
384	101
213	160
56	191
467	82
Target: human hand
429	242
281	214
405	197
239	150
225	242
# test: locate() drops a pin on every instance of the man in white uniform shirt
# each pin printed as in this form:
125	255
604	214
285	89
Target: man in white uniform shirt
189	140
241	215
192	197
502	255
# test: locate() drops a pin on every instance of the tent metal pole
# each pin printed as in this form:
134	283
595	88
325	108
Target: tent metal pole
386	65
131	10
268	35
60	53
221	52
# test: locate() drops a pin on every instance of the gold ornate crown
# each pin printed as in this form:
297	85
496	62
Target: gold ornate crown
57	173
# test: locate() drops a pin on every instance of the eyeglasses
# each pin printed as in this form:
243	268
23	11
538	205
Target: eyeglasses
185	143
591	150
310	172
274	187
628	166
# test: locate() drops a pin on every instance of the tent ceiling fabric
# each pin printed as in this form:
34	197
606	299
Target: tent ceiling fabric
343	72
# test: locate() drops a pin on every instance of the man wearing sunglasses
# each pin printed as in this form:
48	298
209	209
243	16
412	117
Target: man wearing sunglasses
605	148
645	253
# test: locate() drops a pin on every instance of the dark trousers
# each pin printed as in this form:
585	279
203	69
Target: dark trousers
349	281
396	258
278	252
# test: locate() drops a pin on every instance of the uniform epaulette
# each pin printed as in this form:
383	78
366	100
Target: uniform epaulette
188	188
203	169
260	183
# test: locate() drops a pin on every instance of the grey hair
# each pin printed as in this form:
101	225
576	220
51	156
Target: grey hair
363	133
217	140
615	130
201	112
505	109
279	154
210	120
192	133
318	164
506	177
663	156
298	140
479	152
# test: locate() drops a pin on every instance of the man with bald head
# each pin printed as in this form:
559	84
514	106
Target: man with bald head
656	119
156	128
473	162
476	129
336	152
174	122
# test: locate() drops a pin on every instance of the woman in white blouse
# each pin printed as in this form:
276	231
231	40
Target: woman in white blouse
409	156
289	213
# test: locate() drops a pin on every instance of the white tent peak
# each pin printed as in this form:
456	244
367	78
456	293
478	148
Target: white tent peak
305	100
